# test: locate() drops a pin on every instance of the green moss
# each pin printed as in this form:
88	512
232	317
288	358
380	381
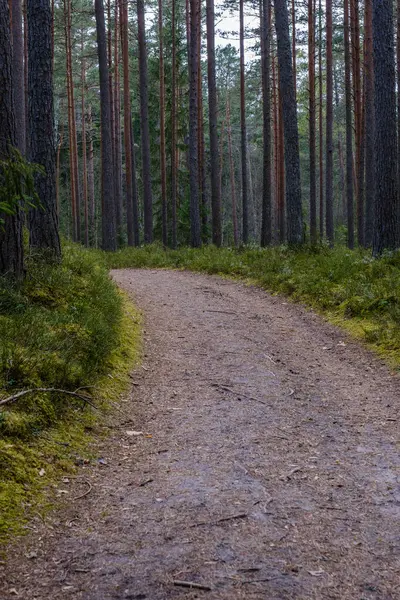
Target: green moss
81	332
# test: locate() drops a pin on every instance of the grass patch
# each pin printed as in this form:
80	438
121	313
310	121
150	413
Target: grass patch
352	289
66	326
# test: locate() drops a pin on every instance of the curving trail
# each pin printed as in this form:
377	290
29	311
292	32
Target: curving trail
267	468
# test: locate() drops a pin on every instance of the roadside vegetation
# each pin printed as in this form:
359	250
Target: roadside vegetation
352	289
67	327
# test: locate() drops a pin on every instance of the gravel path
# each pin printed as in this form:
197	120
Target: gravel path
267	466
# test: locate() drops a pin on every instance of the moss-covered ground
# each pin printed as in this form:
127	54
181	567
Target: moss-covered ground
66	326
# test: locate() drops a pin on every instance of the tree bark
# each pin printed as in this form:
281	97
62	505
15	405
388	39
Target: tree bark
349	130
329	125
174	165
127	124
213	120
232	176
18	74
109	241
91	196
266	222
119	212
386	200
43	221
11	243
289	113
144	124
321	128
311	79
245	199
195	231
369	126
163	163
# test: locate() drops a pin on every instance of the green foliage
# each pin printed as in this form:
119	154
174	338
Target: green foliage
17	184
355	291
65	326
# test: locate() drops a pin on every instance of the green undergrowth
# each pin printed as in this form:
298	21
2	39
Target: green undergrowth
351	288
67	326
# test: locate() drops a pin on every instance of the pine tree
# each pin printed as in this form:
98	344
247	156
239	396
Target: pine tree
43	221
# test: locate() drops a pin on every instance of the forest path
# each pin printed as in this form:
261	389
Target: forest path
268	467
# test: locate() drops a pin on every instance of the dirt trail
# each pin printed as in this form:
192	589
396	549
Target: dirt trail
272	470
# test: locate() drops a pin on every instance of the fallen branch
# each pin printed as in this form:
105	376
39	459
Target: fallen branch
222	520
192	584
225	388
87	491
19	395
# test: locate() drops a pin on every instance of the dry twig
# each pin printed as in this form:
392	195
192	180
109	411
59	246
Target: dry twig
22	393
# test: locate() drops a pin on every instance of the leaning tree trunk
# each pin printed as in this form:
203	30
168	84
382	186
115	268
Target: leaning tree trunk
213	119
291	133
144	123
195	230
266	224
386	199
11	244
43	221
109	238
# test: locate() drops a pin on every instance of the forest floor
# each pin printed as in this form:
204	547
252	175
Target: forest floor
258	457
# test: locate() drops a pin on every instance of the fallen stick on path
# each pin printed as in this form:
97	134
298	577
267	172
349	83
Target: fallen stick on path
192	584
222	520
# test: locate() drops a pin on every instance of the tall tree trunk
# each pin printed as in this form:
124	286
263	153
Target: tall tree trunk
213	120
25	18
91	196
294	49
127	124
144	124
281	169
59	146
18	74
266	222
232	176
174	165
320	125
202	159
329	125
119	212
163	164
73	146
311	84
386	201
369	125
349	130
11	243
195	232
135	193
84	153
245	199
289	110
109	238
43	221
398	117
358	120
